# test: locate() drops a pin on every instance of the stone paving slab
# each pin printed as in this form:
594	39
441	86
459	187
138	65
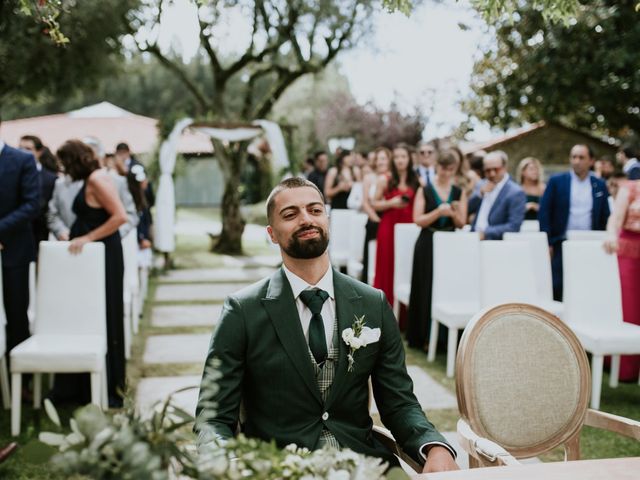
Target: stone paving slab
216	275
185	315
196	292
186	348
158	389
429	392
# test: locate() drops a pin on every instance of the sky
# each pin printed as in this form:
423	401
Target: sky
425	59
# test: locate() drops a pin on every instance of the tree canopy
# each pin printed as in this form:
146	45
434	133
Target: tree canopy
586	74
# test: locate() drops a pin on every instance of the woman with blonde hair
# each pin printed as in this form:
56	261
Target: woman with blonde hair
530	174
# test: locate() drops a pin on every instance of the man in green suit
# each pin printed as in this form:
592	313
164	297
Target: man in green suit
284	356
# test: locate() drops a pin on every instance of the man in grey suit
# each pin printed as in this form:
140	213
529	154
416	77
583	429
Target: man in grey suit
499	202
60	217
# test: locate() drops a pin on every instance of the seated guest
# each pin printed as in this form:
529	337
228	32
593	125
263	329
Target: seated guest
439	206
499	201
530	175
573	200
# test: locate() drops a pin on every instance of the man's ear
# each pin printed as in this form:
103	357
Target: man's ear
271	236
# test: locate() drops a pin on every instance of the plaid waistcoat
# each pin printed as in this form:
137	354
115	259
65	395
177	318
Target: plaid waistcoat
324	378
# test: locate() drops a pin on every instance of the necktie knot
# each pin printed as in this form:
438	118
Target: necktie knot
314	299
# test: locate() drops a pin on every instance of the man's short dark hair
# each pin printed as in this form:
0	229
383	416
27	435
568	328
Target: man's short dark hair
589	148
37	143
122	147
288	184
317	154
629	151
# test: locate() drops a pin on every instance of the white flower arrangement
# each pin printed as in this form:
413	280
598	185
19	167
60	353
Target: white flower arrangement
358	336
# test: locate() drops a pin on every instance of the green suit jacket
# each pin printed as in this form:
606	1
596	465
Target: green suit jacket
265	364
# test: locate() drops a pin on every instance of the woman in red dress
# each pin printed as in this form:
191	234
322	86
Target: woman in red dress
394	196
623	238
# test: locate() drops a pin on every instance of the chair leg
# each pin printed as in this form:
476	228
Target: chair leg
597	365
52	379
37	390
615	371
105	390
433	340
135	313
16	399
452	345
96	388
4	383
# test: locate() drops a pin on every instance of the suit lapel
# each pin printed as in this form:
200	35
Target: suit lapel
348	306
281	307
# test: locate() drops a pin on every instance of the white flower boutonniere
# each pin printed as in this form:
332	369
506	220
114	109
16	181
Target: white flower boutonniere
358	336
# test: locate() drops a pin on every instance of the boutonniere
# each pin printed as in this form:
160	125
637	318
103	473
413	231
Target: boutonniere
358	336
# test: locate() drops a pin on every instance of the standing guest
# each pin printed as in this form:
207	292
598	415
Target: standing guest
500	202
19	205
339	180
33	145
530	174
137	179
320	165
394	197
574	200
623	238
307	167
476	162
466	179
99	212
628	159
369	186
613	184
49	161
439	206
426	168
124	161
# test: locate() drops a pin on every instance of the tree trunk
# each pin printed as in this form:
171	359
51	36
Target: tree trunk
232	159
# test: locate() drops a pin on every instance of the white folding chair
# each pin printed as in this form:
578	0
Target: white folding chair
339	222
455	296
131	290
4	375
539	251
31	311
530	226
405	236
593	309
599	235
357	234
70	330
373	244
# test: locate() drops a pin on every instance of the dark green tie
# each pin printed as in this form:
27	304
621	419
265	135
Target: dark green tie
314	299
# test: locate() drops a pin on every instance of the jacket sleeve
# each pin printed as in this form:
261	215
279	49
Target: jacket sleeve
218	408
29	201
393	391
54	220
604	211
516	206
546	207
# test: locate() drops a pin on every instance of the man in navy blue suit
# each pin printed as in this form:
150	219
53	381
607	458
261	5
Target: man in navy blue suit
499	202
573	200
19	205
628	160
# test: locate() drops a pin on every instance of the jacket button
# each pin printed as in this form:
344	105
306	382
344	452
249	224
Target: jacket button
325	416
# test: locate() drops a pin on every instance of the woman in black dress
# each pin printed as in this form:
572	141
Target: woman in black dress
439	206
99	213
339	180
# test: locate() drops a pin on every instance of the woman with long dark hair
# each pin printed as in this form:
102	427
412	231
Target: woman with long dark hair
340	179
394	197
99	213
440	206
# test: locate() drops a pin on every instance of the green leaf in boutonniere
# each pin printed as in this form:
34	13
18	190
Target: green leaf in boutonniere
358	336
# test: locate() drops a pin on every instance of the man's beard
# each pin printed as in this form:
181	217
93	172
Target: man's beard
309	248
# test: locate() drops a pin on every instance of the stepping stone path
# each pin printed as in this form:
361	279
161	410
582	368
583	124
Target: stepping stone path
206	290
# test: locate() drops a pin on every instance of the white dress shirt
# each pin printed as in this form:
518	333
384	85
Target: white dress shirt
328	308
581	203
487	203
632	162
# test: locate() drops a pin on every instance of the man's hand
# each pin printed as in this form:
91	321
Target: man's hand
439	459
1	246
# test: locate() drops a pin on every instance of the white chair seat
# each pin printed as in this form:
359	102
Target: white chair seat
59	353
354	268
454	314
620	339
403	293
